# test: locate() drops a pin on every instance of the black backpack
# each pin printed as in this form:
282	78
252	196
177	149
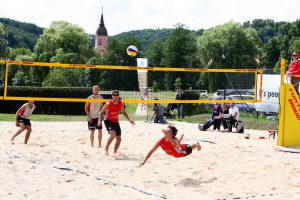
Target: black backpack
239	127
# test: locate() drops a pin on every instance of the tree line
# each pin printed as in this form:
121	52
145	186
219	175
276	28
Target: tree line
260	44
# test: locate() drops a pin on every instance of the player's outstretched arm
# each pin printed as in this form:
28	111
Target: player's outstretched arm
149	154
126	116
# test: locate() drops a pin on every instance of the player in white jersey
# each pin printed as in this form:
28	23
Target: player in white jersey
92	110
23	120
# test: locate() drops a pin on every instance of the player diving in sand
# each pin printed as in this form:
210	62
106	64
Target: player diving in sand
171	145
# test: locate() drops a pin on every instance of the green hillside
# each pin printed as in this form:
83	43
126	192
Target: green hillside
21	34
146	36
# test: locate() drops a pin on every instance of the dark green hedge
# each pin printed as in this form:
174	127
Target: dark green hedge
51	92
47	107
70	108
63	108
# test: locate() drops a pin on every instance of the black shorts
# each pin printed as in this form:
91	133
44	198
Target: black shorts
24	120
94	124
189	149
113	126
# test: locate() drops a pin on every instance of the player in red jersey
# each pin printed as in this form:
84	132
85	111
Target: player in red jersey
112	110
171	145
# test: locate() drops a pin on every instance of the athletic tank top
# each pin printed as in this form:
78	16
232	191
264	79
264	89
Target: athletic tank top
27	112
94	106
113	111
170	149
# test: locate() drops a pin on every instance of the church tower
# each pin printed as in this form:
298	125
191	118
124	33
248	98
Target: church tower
101	39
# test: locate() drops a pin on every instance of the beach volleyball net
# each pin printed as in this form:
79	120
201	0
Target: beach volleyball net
38	81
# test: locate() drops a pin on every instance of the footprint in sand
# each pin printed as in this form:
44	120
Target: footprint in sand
162	181
84	153
196	172
147	181
188	182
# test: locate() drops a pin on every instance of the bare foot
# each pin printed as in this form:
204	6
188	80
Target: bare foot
198	146
12	142
106	153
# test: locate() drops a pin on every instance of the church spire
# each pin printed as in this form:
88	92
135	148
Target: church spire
101	37
101	29
102	20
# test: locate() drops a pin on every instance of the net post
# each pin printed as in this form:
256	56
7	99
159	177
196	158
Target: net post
5	80
261	84
282	64
255	86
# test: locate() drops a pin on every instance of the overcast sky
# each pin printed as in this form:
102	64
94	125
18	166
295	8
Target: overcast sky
125	15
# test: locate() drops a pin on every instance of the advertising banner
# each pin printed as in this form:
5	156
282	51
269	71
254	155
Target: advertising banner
270	94
142	79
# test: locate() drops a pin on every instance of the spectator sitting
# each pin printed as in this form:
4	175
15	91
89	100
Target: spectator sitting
214	120
224	111
235	115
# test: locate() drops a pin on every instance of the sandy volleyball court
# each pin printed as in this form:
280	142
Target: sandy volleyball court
58	163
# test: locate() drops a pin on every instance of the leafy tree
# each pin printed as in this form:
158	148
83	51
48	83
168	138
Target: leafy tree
19	52
281	45
116	56
177	83
227	46
1	29
154	54
155	86
93	75
20	79
2	42
20	75
297	27
64	43
266	28
28	71
56	79
271	52
296	45
180	52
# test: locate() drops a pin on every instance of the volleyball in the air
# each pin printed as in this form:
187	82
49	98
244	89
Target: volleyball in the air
132	50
